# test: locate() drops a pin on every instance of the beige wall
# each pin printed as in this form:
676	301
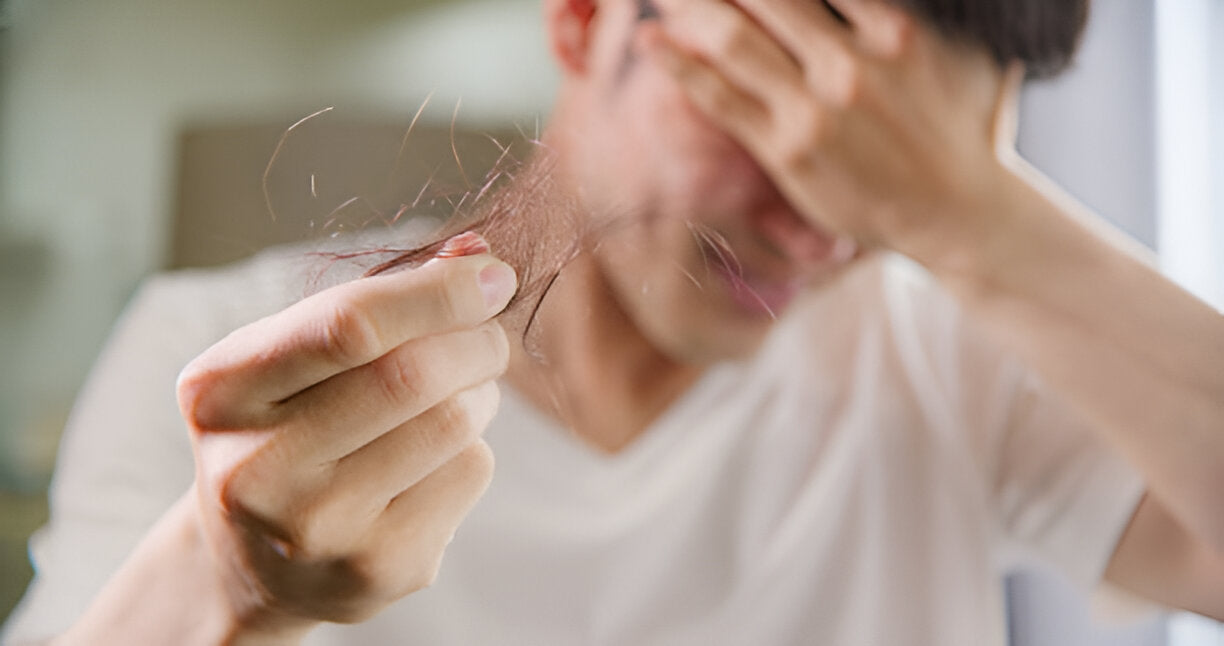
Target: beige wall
93	94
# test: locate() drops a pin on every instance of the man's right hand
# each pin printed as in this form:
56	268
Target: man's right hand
337	443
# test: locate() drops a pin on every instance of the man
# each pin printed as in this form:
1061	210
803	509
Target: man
698	453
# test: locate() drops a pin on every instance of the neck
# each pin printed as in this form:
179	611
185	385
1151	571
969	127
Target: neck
586	364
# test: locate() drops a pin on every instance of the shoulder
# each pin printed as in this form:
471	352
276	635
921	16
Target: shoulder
889	301
887	333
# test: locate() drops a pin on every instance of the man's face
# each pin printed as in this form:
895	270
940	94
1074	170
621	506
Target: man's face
699	248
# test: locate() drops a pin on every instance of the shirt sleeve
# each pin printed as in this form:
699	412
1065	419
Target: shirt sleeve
124	458
1062	494
1053	489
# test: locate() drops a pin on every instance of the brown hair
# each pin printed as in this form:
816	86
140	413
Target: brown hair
527	219
1042	34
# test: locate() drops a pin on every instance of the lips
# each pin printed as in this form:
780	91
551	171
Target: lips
755	294
760	294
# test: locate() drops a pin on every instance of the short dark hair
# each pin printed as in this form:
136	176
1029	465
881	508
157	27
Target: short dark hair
1042	34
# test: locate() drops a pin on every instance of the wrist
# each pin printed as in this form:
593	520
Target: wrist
238	616
170	590
979	238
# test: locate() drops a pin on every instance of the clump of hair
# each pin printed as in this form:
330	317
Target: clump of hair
528	221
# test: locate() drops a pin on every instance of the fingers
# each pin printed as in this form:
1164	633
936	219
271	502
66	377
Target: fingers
726	104
324	512
427	516
748	56
350	410
807	30
748	80
350	444
784	51
880	28
400	458
313	565
239	381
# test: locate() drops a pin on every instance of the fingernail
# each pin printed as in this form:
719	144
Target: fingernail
468	243
497	283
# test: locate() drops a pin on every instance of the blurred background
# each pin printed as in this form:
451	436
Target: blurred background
134	137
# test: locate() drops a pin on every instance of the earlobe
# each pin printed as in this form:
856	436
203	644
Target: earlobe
569	25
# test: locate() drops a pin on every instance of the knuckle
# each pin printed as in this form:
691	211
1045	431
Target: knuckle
457	422
719	97
420	561
465	416
415	580
401	377
807	134
368	574
462	419
348	335
477	462
841	79
904	34
308	528
232	496
423	576
732	39
848	85
812	129
272	527
196	405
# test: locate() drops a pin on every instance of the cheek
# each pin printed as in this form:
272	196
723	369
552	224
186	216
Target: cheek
703	166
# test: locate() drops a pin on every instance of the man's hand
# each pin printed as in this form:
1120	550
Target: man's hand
876	127
338	442
879	128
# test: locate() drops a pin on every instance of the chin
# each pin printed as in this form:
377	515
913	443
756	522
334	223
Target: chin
714	338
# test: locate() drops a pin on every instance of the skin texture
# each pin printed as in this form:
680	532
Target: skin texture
326	433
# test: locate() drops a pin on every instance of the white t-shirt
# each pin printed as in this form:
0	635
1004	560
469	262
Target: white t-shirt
863	480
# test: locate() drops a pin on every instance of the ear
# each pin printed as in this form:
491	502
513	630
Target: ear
569	31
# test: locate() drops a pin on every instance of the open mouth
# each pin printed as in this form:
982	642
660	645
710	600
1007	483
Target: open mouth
755	294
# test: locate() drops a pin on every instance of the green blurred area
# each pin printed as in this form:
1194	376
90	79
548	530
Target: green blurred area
20	515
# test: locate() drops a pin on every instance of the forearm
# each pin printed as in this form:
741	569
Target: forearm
1139	356
169	592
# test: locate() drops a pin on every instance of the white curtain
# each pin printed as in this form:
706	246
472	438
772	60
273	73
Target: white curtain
1190	148
1190	179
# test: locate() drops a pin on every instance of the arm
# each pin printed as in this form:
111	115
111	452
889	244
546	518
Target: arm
1141	357
337	448
883	130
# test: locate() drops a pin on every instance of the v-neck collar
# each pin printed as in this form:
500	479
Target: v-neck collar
567	451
